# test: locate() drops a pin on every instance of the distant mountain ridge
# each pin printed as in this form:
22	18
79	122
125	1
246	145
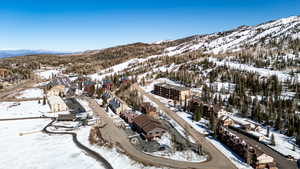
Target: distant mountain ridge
23	52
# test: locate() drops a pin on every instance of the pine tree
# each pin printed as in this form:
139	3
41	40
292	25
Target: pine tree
298	139
273	143
268	131
185	104
44	100
100	92
197	115
92	91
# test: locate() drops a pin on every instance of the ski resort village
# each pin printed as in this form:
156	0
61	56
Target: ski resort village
227	100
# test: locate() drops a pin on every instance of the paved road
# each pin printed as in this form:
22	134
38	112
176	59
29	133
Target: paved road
281	161
90	152
119	137
217	159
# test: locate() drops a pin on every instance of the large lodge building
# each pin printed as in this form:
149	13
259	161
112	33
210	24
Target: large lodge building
171	91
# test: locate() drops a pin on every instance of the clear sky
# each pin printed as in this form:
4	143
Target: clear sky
73	25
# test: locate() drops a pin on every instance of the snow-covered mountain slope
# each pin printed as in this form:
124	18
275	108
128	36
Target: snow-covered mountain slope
236	39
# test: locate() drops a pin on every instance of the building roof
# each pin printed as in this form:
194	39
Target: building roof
55	100
106	81
114	103
170	86
146	123
67	117
61	80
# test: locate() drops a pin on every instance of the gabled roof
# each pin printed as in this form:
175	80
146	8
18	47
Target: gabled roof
147	123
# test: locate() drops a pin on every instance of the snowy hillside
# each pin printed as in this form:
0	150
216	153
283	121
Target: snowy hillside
233	40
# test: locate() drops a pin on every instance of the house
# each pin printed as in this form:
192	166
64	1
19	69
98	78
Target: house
60	80
57	90
107	84
107	96
148	127
128	116
57	104
124	79
89	87
150	110
66	117
171	91
226	121
117	106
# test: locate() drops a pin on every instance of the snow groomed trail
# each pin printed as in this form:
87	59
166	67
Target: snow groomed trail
90	152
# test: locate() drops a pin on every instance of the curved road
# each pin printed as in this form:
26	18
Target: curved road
119	137
92	153
217	159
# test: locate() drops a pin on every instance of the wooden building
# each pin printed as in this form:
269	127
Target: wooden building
252	154
171	91
148	127
128	116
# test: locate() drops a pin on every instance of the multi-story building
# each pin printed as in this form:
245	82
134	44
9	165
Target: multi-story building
173	92
57	104
251	154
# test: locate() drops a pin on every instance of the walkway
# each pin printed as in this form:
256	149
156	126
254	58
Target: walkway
90	152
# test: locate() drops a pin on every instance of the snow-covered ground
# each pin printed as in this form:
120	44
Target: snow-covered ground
201	126
189	155
282	75
31	93
23	109
34	149
38	150
47	74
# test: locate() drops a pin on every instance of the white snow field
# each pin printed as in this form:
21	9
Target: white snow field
47	74
188	155
31	93
38	150
23	109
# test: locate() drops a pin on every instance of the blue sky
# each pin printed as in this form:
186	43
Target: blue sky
73	25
